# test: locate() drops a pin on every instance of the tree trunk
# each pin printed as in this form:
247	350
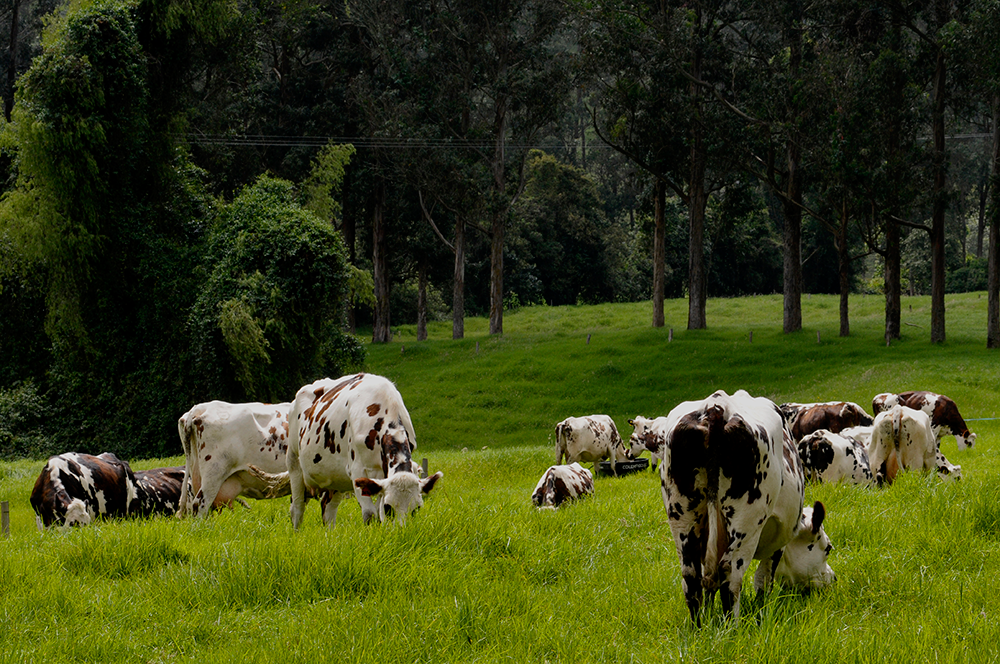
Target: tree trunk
697	202
893	304
940	203
381	330
422	302
458	285
993	279
659	251
843	266
792	240
984	191
8	105
348	229
499	218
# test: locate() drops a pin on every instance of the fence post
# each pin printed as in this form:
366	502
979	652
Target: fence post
5	518
670	337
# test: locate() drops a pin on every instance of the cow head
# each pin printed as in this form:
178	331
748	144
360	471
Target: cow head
965	439
645	437
803	561
884	401
401	493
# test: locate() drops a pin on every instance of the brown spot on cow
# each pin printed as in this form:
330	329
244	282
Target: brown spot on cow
208	457
373	409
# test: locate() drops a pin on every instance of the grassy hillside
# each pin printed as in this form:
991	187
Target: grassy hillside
481	576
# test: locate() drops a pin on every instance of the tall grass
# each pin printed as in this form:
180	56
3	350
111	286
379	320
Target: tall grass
481	576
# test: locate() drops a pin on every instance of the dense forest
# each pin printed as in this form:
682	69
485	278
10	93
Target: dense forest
208	200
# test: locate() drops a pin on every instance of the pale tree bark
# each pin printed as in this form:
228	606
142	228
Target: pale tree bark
659	251
381	330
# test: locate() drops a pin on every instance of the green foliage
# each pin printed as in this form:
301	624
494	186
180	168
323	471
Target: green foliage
23	411
277	280
322	187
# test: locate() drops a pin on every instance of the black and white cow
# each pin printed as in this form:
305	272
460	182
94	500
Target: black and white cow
833	457
560	484
733	488
73	489
903	438
945	418
221	441
354	435
589	439
803	419
158	491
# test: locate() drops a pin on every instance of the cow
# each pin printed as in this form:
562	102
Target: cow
590	439
903	438
733	489
803	564
73	489
354	434
560	484
803	419
158	491
648	436
833	457
221	441
945	418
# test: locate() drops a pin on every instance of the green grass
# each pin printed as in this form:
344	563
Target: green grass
481	576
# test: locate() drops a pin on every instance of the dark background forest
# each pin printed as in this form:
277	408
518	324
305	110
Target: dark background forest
213	200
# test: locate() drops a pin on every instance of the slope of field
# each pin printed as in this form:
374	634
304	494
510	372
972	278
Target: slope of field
481	576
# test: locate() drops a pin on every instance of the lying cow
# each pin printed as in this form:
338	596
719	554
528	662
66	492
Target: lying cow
733	489
158	491
833	457
804	419
590	439
562	483
648	436
73	489
902	438
945	418
354	434
221	441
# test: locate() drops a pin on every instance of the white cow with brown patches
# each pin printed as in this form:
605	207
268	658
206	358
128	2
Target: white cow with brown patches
903	438
354	435
589	439
560	484
943	412
221	441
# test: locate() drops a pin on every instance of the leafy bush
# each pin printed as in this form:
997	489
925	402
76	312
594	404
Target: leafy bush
22	413
970	277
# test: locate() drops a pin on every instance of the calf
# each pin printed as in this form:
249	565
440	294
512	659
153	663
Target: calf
733	489
902	438
158	491
221	441
354	435
562	483
803	419
589	439
833	457
73	489
945	418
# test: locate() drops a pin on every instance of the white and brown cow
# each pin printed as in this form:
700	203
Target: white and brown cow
803	419
560	484
733	489
648	436
903	438
834	457
589	439
158	491
945	418
221	441
73	489
354	435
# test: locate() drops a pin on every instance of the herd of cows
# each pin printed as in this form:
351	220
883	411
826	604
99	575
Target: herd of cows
733	469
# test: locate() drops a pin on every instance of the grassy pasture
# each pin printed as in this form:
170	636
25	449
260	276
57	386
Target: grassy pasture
480	576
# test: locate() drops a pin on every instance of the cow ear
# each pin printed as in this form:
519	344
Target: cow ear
819	513
427	484
368	486
631	423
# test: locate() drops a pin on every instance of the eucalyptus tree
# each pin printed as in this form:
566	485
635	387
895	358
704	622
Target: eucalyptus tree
654	63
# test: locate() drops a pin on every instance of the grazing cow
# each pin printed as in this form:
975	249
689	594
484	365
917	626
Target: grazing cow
562	483
354	434
221	441
733	489
73	489
589	439
804	561
158	491
803	419
945	418
648	436
902	438
833	457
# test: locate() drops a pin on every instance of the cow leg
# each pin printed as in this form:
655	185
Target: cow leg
297	484
213	481
763	579
330	502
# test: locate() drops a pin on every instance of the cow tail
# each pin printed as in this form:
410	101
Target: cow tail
560	447
186	430
897	424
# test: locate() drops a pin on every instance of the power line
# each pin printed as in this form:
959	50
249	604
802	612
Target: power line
265	140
